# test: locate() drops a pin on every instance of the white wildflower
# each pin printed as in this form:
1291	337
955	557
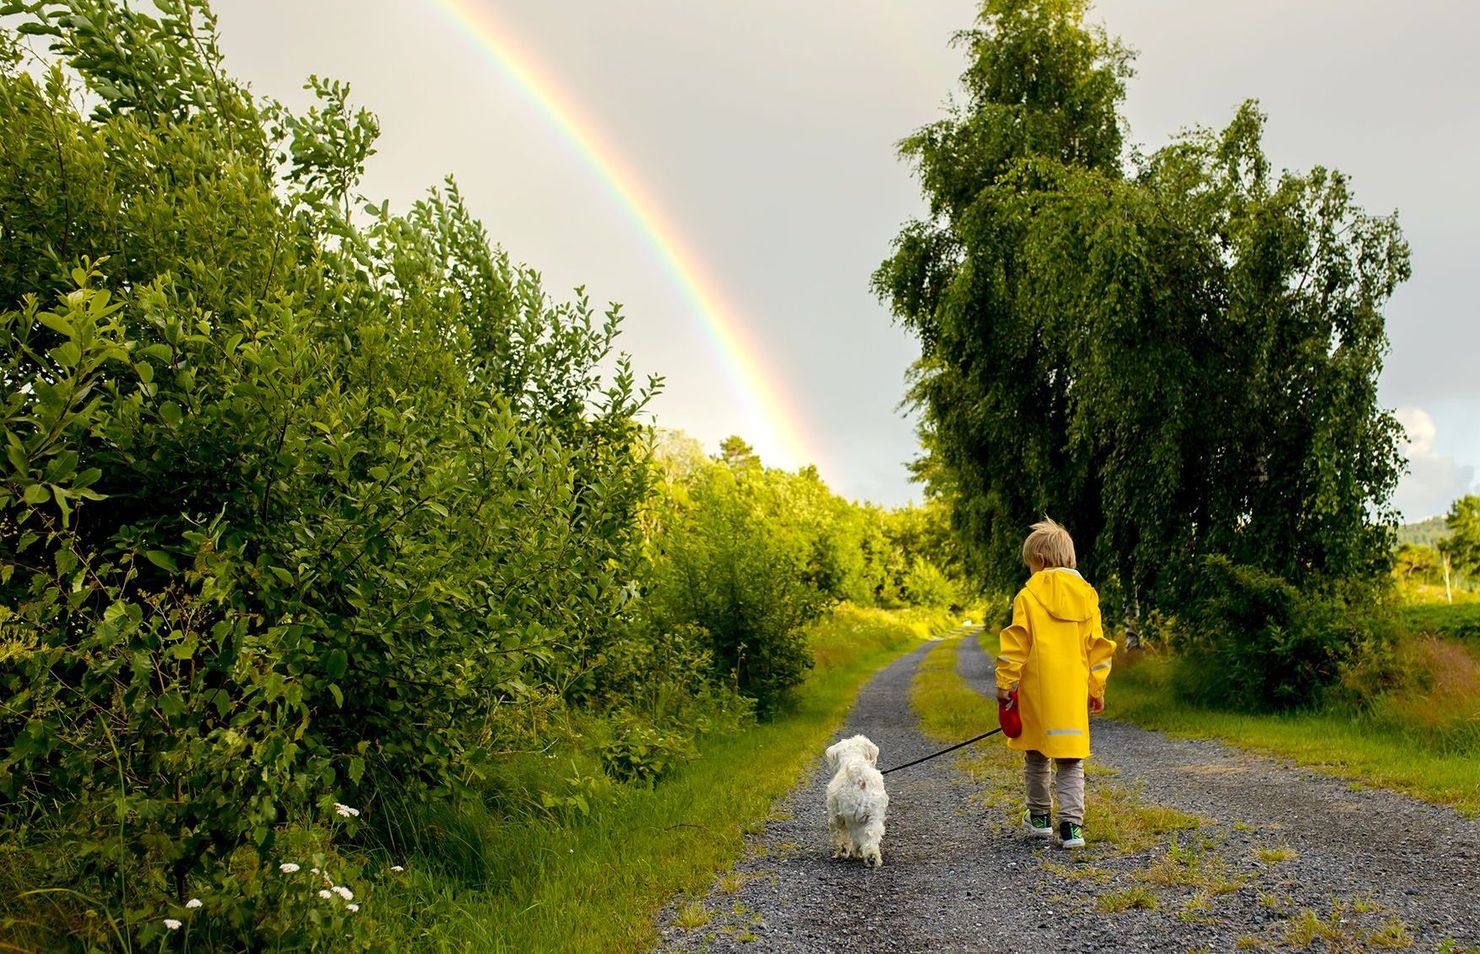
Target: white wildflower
288	867
172	924
343	892
351	908
345	811
324	893
314	870
193	903
397	869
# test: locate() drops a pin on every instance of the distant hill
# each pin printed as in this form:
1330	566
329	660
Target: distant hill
1425	532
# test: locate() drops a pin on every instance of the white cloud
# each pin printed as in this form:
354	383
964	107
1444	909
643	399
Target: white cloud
1433	480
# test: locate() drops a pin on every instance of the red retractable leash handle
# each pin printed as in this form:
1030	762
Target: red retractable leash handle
1009	717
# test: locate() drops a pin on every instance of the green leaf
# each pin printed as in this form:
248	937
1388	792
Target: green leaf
336	661
170	413
57	323
66	354
282	574
15	452
36	494
145	370
356	769
337	693
162	560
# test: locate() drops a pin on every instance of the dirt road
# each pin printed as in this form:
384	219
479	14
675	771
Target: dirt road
1283	858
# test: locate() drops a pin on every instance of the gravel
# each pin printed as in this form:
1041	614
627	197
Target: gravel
952	881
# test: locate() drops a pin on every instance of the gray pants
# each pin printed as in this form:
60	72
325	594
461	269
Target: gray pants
1039	772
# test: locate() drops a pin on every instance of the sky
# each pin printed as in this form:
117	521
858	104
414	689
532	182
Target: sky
727	172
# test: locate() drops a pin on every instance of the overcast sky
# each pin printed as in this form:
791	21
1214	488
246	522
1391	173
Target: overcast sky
766	130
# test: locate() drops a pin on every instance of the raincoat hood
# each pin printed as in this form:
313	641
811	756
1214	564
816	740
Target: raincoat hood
1065	594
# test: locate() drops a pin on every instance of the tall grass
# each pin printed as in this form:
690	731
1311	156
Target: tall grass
595	882
1422	738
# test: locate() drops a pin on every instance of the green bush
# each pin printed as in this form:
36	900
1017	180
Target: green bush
1250	640
723	562
297	506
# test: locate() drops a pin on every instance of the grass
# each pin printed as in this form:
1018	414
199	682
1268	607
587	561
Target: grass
1340	931
1272	856
1460	620
1127	899
1180	866
1423	743
553	885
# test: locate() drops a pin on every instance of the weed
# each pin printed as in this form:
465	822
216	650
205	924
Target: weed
1365	906
1450	946
1116	901
1248	942
1271	856
1392	934
1303	929
1076	872
692	915
1373	746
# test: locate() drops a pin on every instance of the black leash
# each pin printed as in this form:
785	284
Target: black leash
953	748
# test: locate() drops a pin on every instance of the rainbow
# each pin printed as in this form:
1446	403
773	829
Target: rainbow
777	433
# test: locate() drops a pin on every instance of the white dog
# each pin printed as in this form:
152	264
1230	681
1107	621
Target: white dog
856	800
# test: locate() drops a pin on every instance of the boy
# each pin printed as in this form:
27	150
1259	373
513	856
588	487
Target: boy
1055	654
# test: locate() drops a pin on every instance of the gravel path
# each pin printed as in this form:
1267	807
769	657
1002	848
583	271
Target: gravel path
1363	860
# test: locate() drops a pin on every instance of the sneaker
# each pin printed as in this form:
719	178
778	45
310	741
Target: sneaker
1071	835
1037	824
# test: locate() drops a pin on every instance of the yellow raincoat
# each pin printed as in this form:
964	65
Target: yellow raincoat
1057	655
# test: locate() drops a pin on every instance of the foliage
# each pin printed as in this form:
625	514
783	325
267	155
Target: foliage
1251	641
727	559
1176	357
748	555
1425	533
530	884
1463	543
1417	735
298	506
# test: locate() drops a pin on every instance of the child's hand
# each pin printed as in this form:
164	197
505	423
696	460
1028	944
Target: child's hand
1096	705
1003	696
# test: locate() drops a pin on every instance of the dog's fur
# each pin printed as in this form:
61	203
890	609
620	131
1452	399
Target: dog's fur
856	800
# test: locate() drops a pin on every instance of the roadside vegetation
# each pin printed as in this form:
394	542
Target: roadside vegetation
1417	731
595	880
342	578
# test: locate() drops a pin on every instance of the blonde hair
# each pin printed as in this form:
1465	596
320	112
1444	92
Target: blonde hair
1048	546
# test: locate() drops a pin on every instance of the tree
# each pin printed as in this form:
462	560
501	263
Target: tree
1177	357
1463	521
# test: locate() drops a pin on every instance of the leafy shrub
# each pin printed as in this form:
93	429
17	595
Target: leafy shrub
295	507
641	752
926	585
725	563
1251	640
